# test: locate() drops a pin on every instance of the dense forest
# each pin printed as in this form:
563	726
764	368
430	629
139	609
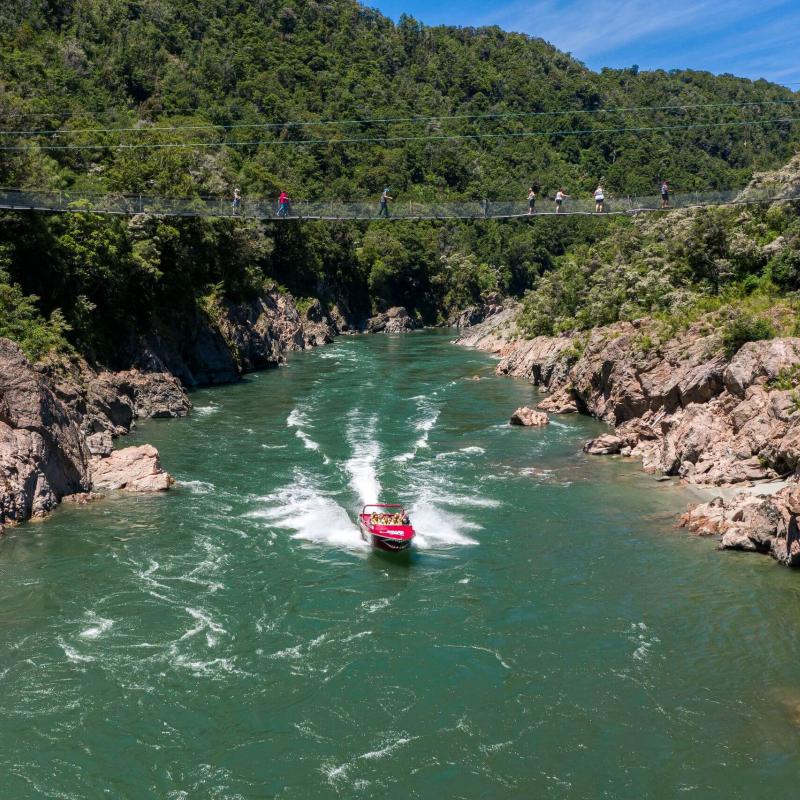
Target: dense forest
334	100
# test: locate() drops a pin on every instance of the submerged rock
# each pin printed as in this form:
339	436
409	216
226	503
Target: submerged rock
133	469
528	417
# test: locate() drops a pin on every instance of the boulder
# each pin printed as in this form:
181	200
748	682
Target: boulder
605	445
134	469
395	320
528	417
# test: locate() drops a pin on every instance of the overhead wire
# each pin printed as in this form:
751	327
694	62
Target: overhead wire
393	120
396	139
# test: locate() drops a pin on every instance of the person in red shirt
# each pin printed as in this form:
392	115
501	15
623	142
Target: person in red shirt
283	204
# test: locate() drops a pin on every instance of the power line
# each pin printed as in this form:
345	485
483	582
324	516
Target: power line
395	139
387	120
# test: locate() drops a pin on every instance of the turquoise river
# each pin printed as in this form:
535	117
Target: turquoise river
552	636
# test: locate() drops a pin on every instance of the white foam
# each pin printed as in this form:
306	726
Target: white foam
307	440
274	446
99	625
361	465
204	411
302	508
297	418
472	451
438	528
72	654
198	487
388	748
371	606
206	623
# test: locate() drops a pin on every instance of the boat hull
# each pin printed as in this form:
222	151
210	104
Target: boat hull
387	544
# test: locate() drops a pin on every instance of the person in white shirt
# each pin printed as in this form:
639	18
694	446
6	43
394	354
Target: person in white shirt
599	200
560	196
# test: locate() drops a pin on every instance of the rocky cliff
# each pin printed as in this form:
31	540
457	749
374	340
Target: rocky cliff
230	339
58	419
681	405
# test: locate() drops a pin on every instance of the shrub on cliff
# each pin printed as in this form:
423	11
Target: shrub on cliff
743	328
22	322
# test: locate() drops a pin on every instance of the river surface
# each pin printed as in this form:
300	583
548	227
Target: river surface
552	636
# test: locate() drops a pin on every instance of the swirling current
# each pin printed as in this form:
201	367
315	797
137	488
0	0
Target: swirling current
551	636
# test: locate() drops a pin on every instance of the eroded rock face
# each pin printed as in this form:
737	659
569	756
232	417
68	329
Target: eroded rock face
236	338
132	469
528	417
764	524
43	456
395	320
759	362
680	405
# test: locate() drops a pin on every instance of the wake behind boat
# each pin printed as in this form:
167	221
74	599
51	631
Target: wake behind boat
386	526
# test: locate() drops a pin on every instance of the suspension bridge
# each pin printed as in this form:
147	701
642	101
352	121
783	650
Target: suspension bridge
73	201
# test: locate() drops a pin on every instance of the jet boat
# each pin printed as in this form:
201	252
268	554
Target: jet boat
386	526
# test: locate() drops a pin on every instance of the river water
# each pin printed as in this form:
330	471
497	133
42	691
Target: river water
553	635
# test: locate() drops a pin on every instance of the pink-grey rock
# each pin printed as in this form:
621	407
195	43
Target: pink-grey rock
43	456
133	469
604	445
528	417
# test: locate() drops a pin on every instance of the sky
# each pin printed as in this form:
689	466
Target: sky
743	37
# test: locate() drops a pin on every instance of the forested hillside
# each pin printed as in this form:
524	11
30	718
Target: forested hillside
324	100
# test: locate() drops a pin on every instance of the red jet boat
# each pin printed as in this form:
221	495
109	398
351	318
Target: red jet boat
386	526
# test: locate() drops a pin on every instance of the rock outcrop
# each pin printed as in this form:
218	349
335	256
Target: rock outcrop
57	424
528	417
764	524
133	469
680	406
43	454
395	320
58	419
231	339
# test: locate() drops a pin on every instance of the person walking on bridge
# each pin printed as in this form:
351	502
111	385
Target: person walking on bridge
664	194
283	205
599	199
383	211
561	195
236	203
531	200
